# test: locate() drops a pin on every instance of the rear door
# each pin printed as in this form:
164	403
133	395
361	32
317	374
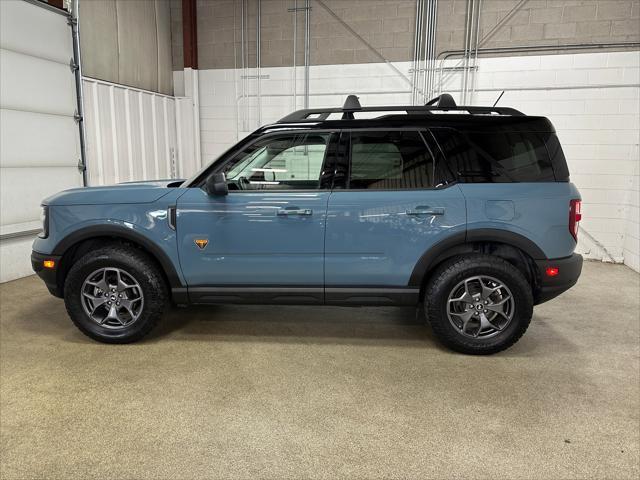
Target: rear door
390	204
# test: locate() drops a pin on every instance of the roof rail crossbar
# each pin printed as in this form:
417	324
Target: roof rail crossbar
444	101
352	105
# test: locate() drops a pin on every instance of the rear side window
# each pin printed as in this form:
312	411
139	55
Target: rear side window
390	161
496	157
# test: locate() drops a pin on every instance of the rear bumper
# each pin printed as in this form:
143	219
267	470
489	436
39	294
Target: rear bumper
48	275
569	269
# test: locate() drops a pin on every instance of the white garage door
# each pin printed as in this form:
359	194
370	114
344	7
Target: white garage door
39	144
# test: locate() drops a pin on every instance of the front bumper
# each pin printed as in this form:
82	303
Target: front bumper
49	275
569	270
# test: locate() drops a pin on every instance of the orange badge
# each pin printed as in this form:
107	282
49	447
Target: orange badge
201	243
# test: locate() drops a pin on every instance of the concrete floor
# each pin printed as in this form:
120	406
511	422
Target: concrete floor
273	392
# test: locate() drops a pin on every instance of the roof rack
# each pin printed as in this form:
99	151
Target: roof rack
441	103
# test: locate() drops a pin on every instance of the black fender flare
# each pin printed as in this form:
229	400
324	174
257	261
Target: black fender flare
120	232
461	239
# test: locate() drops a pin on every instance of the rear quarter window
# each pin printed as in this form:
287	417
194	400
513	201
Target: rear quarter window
496	157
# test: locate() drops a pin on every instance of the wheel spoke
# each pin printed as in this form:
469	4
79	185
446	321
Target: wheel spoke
499	306
127	304
464	325
487	291
486	323
101	284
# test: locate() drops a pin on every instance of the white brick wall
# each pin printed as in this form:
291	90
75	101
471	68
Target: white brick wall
592	99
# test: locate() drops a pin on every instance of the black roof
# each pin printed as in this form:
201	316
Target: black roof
439	112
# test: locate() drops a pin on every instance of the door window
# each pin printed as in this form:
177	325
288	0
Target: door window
496	157
287	162
390	160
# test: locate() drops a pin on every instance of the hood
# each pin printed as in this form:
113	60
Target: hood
130	192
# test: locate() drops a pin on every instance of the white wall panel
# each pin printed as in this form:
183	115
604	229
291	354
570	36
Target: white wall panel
39	142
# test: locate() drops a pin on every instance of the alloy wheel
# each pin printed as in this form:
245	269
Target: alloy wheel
112	298
480	307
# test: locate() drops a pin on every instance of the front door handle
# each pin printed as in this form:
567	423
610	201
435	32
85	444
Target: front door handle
294	211
426	210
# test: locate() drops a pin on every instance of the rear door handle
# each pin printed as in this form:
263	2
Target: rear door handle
426	210
294	211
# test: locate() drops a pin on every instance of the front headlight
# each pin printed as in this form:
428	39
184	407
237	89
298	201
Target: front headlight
44	216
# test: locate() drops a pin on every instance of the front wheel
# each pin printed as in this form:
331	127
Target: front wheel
115	294
478	304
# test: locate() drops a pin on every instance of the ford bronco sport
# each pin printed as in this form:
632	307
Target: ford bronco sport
466	211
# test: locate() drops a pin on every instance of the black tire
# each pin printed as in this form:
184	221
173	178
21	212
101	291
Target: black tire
442	283
141	268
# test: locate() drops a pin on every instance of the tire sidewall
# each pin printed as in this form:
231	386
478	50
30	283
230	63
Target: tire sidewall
438	295
147	279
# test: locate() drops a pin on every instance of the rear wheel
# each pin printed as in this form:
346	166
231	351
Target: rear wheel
478	304
115	294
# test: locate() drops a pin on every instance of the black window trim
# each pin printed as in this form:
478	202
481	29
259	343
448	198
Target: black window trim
346	157
327	180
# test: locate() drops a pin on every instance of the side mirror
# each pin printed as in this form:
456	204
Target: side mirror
216	184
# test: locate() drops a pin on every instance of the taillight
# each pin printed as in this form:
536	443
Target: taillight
575	216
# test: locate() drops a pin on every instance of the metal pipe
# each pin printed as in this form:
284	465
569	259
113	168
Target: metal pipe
415	52
432	53
74	19
243	76
307	53
467	44
418	54
295	52
474	72
425	52
542	48
235	87
258	60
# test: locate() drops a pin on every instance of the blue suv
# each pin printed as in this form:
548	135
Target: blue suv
465	211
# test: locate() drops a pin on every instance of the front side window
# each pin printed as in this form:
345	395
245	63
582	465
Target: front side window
283	162
390	160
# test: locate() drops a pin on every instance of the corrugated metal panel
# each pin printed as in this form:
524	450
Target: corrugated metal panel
131	134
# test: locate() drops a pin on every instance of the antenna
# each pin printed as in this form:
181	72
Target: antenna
499	97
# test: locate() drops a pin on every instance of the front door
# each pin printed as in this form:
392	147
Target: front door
391	205
264	241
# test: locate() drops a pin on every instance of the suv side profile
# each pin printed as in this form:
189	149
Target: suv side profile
467	211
